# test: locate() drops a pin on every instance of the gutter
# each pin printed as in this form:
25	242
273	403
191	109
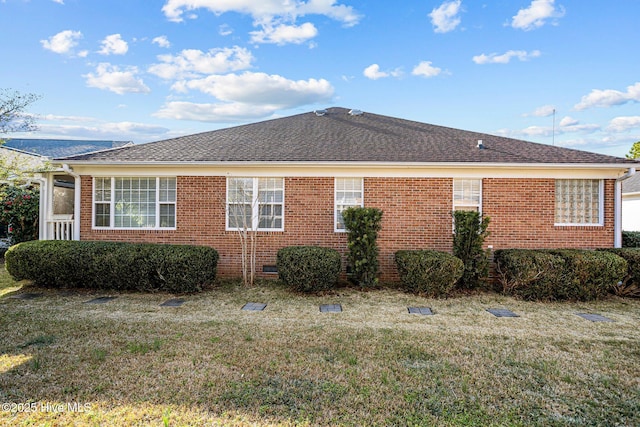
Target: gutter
617	242
76	200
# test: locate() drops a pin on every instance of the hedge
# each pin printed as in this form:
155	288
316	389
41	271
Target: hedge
110	265
567	274
431	273
309	268
630	285
528	273
631	239
591	274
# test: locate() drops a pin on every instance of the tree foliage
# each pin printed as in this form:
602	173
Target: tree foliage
363	225
13	116
19	208
468	238
634	152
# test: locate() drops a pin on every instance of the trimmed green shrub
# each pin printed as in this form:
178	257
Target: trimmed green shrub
529	274
565	274
631	239
363	225
309	268
468	238
110	265
630	285
431	273
591	274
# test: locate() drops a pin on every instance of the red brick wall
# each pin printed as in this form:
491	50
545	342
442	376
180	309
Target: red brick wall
417	214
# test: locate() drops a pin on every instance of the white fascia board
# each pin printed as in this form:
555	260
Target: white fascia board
345	169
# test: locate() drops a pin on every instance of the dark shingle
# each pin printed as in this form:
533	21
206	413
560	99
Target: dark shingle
62	147
340	137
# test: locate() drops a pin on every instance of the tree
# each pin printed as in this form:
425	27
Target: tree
468	238
13	118
363	225
634	152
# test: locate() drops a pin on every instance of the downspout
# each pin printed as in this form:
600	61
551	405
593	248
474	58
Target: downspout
618	207
76	200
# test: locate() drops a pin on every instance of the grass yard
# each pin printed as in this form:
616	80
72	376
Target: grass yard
132	362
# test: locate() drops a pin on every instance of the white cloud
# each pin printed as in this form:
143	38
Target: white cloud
544	111
568	121
373	72
536	14
225	30
110	77
264	9
193	62
113	45
213	113
624	123
162	41
445	17
505	58
283	34
609	97
275	18
63	42
59	1
425	69
261	89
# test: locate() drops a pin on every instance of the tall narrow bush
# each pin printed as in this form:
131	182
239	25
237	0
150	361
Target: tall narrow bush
363	225
468	238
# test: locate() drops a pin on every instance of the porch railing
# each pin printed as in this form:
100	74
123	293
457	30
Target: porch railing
60	229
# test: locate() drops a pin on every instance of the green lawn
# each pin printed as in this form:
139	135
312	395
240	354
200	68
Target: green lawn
132	362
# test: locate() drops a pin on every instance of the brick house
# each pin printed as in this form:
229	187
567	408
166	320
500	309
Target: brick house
291	178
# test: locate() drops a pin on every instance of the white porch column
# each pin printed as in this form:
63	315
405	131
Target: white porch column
77	188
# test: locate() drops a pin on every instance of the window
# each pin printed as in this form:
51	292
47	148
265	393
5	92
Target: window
579	202
134	202
348	193
467	195
255	203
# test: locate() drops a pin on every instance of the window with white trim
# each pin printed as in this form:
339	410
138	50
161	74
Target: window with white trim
579	202
467	195
134	202
255	204
349	192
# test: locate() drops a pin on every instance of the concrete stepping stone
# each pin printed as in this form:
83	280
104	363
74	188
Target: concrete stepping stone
173	302
100	300
594	317
502	312
425	311
331	308
254	306
26	296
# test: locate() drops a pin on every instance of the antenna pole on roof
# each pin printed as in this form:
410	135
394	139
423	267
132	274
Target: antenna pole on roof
553	131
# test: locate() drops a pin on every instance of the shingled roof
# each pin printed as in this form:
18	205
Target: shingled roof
632	185
338	136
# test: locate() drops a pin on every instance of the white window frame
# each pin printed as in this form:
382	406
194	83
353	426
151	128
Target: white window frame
255	204
335	201
461	205
112	202
600	222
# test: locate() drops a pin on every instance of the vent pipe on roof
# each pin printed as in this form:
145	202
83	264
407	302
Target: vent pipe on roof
356	112
320	113
480	145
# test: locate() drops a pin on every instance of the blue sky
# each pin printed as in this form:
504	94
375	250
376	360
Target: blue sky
145	70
